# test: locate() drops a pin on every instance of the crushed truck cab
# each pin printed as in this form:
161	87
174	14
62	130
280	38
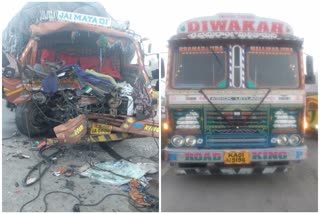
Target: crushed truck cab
235	98
77	76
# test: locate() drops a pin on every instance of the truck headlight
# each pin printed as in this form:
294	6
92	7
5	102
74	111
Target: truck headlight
282	140
294	140
165	126
177	141
191	141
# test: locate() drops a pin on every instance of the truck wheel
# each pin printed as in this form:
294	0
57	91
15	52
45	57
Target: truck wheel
28	120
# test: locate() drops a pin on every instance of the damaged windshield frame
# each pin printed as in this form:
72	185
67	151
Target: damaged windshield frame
113	43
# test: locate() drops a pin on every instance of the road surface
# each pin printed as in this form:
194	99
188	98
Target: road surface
295	191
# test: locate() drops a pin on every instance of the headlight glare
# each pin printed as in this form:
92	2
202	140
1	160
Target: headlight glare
294	140
177	141
282	140
165	126
191	141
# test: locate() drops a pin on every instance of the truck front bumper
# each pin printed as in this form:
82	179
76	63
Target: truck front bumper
211	161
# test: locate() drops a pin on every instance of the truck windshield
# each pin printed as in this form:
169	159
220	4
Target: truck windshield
199	67
272	68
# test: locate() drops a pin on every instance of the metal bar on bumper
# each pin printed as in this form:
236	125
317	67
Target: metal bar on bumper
193	155
233	170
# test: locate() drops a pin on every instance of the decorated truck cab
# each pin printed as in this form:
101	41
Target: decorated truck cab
235	99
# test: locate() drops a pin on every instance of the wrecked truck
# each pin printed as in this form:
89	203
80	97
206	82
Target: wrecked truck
72	71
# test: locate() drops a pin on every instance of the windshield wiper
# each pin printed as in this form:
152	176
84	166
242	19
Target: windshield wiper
261	101
216	56
224	118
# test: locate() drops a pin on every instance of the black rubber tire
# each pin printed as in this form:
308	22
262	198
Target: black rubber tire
26	123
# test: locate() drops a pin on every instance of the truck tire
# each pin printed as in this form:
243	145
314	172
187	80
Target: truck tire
27	115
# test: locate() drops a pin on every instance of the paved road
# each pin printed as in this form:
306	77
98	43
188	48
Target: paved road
14	195
295	191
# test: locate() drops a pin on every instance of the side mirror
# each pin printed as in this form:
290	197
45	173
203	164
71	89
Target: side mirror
309	78
151	64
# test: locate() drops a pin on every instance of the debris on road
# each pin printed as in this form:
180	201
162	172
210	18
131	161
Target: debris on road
21	156
116	173
37	146
135	193
69	172
42	144
59	171
36	143
144	181
31	180
139	194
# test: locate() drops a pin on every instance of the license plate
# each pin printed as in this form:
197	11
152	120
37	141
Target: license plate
237	157
100	129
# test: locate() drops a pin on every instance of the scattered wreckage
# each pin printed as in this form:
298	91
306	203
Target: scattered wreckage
76	74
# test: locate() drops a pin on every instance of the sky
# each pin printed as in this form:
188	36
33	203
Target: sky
159	19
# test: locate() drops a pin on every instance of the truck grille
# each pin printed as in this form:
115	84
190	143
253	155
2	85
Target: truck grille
236	122
186	119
